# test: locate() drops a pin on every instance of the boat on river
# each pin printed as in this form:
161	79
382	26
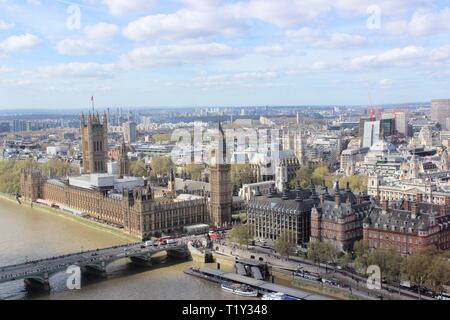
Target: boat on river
277	296
239	289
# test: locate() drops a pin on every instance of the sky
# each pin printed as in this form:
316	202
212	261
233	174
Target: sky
131	53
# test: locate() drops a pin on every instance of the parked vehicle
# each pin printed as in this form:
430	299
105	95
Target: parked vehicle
149	243
307	275
443	296
163	240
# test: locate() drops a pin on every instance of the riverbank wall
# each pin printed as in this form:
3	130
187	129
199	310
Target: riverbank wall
66	215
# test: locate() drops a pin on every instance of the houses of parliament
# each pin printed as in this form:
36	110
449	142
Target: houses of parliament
129	202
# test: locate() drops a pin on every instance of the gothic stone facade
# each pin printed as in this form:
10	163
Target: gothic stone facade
136	211
94	137
220	185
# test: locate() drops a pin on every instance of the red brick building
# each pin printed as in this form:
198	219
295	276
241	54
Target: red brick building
408	226
338	219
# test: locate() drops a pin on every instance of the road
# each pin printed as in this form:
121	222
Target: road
356	284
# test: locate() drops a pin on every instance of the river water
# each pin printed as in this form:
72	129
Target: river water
27	233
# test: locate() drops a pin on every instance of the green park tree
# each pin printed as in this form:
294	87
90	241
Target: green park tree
161	165
138	169
240	234
285	244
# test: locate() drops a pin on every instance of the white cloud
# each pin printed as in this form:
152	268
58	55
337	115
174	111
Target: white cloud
79	47
78	70
5	25
317	66
396	57
315	38
286	13
423	22
15	83
386	83
442	53
101	31
4	69
126	7
274	50
204	21
178	54
19	43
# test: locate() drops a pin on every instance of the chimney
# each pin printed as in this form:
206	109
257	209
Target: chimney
322	199
337	194
359	198
407	205
414	210
347	188
419	198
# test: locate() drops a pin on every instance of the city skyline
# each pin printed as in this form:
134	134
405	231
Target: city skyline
57	54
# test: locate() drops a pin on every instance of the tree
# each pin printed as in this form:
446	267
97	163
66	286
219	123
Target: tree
161	137
285	244
389	261
415	267
345	260
314	251
303	175
137	168
195	170
329	252
320	251
361	253
57	168
357	183
161	165
10	171
240	234
320	173
241	174
438	273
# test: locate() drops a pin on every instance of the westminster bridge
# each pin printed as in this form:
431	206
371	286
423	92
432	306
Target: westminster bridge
38	272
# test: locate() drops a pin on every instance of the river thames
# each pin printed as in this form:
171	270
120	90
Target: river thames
28	234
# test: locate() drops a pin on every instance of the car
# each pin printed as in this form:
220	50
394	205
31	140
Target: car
443	296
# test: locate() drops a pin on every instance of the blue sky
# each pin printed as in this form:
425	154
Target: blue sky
215	52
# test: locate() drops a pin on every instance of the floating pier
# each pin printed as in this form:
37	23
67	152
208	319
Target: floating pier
220	276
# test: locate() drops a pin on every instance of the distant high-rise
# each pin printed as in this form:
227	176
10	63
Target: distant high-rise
220	184
387	127
300	119
440	111
130	133
94	139
372	131
362	122
401	123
